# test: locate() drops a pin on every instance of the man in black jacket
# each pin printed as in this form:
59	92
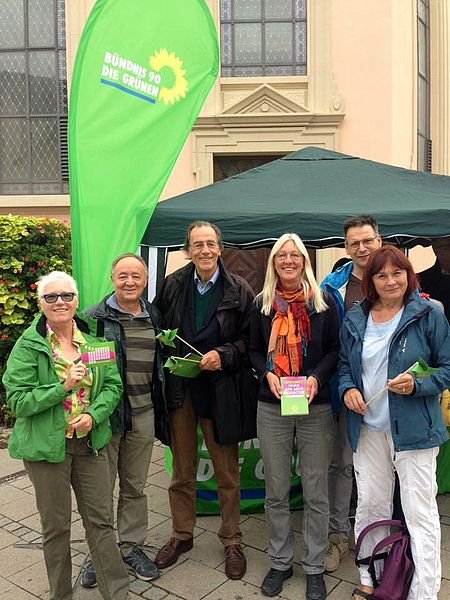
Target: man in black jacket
436	280
126	318
211	309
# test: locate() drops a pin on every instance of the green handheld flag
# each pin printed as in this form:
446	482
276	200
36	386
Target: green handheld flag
142	73
167	336
421	369
184	367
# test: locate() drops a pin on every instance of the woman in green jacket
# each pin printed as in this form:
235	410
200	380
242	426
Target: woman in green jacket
62	411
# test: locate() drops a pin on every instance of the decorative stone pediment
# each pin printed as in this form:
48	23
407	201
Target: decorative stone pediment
264	100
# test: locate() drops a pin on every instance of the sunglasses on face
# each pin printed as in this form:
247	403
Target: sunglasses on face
65	297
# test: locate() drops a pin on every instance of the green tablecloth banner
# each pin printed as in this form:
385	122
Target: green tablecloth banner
443	468
252	479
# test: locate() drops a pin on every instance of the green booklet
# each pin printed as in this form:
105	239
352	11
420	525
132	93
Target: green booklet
102	353
186	366
293	396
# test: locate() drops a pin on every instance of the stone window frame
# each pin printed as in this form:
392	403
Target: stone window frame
267	115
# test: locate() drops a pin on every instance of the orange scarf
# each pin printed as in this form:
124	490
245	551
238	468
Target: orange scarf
290	334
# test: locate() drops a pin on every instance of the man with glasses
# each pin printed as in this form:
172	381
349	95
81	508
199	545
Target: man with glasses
126	318
210	307
361	239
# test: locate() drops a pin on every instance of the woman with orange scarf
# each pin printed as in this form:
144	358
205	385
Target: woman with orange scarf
294	332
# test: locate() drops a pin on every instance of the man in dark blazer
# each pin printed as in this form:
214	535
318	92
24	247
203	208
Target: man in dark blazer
210	307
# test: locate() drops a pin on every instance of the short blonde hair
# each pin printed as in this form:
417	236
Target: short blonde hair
308	281
52	277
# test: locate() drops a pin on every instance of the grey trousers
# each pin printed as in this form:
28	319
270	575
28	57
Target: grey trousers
129	457
313	435
340	479
88	475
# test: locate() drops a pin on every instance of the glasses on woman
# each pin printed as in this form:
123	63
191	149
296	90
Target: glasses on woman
65	297
283	256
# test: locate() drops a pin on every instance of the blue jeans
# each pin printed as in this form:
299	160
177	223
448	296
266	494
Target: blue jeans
313	434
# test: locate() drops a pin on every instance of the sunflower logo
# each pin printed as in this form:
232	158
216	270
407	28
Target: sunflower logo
172	68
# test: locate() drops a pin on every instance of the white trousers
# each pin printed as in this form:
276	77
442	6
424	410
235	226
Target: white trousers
375	461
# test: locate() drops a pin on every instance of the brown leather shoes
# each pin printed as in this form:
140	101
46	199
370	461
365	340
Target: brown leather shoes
235	562
170	553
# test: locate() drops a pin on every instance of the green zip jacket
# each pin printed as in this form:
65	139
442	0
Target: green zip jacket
35	395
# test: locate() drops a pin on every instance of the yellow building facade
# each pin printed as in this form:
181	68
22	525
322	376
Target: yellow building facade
367	78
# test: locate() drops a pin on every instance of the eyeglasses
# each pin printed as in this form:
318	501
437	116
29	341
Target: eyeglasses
367	243
282	256
211	244
65	297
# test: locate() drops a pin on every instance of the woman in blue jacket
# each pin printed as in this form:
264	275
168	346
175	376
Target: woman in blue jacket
402	428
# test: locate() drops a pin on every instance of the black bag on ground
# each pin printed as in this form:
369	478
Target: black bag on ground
234	405
395	551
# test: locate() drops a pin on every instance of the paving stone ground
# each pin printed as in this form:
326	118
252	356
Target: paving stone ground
199	574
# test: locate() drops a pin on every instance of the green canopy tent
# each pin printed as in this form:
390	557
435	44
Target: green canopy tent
312	192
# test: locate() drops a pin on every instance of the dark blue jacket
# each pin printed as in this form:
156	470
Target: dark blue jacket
423	331
109	326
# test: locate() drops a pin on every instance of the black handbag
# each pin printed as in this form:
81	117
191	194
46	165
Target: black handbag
234	405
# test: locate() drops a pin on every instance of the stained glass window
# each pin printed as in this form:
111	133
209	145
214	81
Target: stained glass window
33	97
263	37
424	149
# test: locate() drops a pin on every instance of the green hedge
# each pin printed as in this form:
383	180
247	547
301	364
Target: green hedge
29	248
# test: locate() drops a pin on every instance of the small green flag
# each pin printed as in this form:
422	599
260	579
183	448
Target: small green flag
184	367
421	369
167	336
